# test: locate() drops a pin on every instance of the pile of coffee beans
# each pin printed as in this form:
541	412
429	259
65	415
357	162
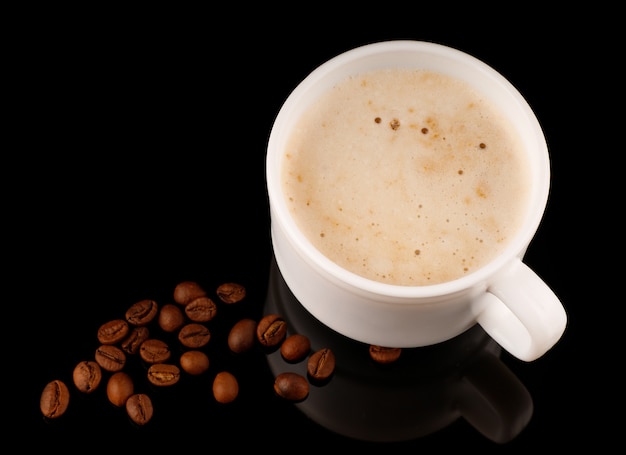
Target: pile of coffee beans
132	335
186	320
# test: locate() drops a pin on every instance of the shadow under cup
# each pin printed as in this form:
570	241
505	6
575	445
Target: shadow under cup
511	302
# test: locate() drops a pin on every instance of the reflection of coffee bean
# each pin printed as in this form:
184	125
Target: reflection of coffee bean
384	355
186	291
295	347
171	317
110	358
231	292
112	332
154	350
202	309
163	374
291	386
321	364
271	330
142	312
132	342
242	335
87	376
55	399
139	408
120	386
194	362
225	387
194	335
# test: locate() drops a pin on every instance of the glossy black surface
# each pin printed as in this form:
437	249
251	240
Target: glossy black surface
144	147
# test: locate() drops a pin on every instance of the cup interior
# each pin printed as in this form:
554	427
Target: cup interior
418	55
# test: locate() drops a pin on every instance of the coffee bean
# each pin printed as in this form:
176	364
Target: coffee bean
242	335
194	362
202	309
321	364
87	376
384	355
55	398
187	291
225	387
163	374
295	347
142	312
139	408
291	386
171	317
154	350
136	336
110	358
271	330
231	292
194	335
112	332
120	387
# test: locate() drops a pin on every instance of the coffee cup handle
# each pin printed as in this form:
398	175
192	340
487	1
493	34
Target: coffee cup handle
521	313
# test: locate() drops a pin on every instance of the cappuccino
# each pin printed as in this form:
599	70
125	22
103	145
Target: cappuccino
407	177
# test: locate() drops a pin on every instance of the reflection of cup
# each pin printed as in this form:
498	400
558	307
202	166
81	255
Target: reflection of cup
426	390
512	304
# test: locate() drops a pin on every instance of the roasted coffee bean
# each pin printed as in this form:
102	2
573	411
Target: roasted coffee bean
163	374
321	364
112	332
225	387
142	312
194	362
202	309
55	398
187	291
171	317
242	335
194	335
110	358
271	330
136	336
295	347
231	292
384	355
154	350
291	386
120	387
87	376
139	408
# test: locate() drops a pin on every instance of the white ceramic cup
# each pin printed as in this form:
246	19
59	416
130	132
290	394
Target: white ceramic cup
508	299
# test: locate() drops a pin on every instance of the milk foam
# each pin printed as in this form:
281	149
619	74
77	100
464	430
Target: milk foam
407	177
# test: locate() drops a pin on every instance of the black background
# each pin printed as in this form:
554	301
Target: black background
142	142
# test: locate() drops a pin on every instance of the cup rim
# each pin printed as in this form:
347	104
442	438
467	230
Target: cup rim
282	216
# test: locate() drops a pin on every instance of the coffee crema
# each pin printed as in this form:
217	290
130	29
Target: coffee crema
407	177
